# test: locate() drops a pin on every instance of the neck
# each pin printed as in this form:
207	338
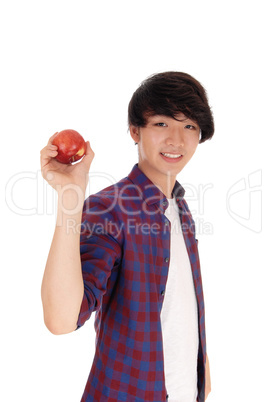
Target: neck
164	182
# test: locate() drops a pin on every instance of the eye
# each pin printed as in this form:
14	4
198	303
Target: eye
190	127
161	124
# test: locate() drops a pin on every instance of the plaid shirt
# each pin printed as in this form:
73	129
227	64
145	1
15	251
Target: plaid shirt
125	254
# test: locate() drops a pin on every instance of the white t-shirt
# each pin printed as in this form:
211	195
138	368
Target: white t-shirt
179	318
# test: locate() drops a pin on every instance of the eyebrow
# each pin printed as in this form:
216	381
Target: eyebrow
163	116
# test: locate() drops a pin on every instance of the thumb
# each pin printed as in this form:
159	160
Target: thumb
89	155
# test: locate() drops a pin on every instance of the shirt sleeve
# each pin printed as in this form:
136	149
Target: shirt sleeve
100	251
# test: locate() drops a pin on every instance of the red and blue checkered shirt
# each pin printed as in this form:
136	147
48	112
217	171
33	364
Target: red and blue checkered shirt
125	254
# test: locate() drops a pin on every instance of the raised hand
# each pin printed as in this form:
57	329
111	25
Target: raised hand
58	174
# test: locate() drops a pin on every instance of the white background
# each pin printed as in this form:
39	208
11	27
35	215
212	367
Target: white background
75	64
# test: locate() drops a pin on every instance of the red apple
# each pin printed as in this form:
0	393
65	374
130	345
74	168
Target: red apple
71	146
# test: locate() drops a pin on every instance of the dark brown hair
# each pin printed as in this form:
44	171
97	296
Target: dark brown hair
168	94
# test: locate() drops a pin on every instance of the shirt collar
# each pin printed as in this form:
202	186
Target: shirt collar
150	192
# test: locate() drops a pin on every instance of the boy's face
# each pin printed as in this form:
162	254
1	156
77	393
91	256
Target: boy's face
165	146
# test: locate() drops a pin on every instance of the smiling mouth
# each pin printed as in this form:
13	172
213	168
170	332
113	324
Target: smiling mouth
173	156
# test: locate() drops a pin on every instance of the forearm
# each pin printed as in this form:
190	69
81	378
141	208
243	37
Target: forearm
62	286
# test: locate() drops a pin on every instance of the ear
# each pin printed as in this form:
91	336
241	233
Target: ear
134	131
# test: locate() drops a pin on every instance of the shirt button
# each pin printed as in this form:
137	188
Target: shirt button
166	223
166	259
164	203
162	292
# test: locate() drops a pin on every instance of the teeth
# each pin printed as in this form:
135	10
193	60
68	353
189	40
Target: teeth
170	155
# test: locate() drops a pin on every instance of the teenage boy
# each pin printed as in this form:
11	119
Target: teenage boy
134	259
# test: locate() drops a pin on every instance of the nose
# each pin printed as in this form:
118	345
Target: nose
175	137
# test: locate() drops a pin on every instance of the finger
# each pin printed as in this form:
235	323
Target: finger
89	155
49	151
89	151
51	138
46	155
88	147
51	147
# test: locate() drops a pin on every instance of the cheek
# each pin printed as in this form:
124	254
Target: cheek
193	142
143	150
149	145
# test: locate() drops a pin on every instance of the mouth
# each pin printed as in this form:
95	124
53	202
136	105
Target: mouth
171	157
